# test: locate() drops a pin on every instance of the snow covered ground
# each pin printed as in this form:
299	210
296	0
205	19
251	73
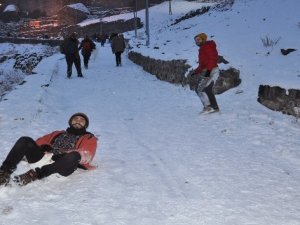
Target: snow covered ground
159	162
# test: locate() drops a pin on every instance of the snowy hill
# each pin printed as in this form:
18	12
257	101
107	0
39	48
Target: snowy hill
159	162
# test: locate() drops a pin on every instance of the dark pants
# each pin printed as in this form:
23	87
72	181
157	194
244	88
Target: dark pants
118	58
64	164
211	96
71	58
206	94
86	58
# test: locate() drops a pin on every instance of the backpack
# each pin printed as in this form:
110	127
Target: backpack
86	46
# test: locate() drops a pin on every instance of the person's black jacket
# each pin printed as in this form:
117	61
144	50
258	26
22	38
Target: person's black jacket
70	46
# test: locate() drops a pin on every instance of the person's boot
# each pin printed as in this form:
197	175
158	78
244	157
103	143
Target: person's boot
69	75
4	177
26	178
209	109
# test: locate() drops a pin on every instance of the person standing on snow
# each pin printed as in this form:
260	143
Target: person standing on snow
69	47
59	152
207	72
117	47
86	46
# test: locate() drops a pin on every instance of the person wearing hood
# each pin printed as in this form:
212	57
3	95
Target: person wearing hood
61	152
70	49
207	72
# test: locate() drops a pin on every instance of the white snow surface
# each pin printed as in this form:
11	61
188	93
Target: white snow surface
159	161
80	7
10	8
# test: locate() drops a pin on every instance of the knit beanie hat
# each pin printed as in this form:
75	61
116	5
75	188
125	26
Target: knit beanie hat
82	115
202	36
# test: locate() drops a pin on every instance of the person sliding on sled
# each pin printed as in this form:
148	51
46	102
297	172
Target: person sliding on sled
59	152
207	72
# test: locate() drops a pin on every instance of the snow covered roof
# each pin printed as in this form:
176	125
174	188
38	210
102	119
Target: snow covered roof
79	6
11	8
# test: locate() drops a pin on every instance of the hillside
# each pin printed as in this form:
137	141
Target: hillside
159	161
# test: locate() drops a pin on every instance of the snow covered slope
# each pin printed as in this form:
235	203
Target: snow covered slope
159	162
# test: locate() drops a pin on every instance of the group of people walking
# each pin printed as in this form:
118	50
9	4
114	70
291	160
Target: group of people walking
71	47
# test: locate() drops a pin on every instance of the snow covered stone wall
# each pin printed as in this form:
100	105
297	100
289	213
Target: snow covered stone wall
174	71
280	99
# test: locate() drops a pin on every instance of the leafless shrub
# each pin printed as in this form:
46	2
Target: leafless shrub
269	42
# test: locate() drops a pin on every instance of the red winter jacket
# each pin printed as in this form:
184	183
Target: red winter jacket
86	143
207	57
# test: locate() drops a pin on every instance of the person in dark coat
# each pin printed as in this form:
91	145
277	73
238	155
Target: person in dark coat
118	47
70	49
207	72
86	46
61	151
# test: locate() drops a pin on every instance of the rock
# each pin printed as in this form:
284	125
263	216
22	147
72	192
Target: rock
280	99
287	51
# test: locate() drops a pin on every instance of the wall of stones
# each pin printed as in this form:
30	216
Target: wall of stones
175	71
276	98
30	41
172	71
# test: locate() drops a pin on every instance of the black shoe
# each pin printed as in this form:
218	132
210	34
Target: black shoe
4	177
26	178
80	75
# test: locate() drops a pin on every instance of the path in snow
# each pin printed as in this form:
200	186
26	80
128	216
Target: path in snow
159	161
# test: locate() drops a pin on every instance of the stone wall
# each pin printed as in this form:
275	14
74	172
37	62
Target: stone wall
30	41
172	71
280	99
175	71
